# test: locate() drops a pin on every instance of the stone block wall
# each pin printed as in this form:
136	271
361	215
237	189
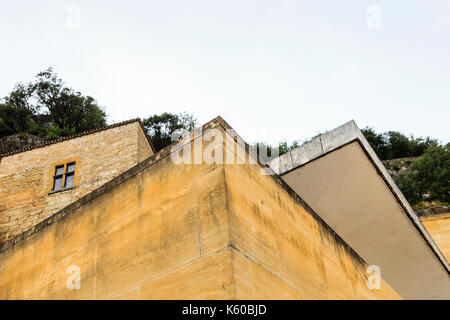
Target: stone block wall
26	178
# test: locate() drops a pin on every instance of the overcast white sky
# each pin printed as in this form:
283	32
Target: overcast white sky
273	70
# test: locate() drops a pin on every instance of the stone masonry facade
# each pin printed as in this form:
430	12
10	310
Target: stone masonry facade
26	178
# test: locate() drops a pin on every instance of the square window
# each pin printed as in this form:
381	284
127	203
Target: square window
64	176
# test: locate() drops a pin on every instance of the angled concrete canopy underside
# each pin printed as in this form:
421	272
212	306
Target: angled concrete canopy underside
339	175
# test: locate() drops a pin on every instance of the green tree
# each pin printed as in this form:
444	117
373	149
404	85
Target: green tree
376	141
398	145
410	188
420	145
48	108
428	177
264	150
393	144
284	147
162	127
432	172
14	120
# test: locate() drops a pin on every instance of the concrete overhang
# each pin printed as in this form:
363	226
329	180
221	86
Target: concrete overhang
339	175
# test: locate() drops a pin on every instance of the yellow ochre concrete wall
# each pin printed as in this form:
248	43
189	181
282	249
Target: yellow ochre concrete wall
186	231
285	251
27	177
438	226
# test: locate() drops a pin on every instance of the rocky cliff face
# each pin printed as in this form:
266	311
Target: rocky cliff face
433	211
395	167
17	141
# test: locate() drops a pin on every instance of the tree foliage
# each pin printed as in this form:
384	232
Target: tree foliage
14	120
46	107
163	127
265	152
428	177
284	147
393	144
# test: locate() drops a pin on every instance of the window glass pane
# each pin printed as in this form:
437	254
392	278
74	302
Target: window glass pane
71	167
69	181
58	183
59	170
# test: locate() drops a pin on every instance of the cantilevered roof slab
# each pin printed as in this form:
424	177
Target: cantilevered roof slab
339	175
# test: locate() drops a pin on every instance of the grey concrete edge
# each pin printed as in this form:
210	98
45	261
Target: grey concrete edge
335	139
